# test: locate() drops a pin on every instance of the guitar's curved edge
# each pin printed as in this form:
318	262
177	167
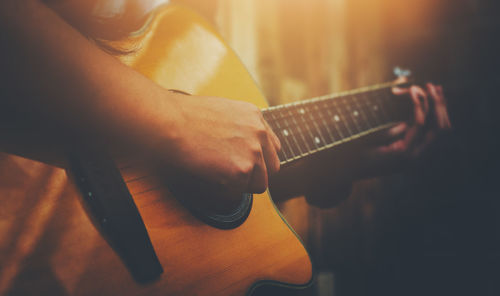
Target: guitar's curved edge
261	283
283	284
260	101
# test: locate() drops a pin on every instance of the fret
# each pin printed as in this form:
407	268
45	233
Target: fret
327	118
312	130
386	95
292	131
383	114
335	119
353	113
303	143
299	140
285	146
325	129
284	152
339	131
341	117
339	123
378	112
309	126
366	102
308	135
287	132
294	128
371	109
318	138
304	114
363	117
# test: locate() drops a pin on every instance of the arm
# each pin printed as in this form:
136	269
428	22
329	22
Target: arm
59	87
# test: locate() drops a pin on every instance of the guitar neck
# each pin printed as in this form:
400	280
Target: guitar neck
310	126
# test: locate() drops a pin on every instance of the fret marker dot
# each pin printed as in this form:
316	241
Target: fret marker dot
375	107
302	111
355	113
336	118
285	132
317	140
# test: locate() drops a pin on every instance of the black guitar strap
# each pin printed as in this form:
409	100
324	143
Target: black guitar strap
115	214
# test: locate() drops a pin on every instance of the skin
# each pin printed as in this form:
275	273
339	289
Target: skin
388	152
408	140
56	94
88	92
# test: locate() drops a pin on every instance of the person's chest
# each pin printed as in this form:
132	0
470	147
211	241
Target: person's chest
105	19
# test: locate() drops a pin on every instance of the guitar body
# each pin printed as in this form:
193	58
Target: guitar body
49	246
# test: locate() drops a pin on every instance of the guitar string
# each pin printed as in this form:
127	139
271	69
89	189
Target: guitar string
307	103
326	144
321	130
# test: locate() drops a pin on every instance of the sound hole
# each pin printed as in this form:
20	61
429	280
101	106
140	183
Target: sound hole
212	204
227	218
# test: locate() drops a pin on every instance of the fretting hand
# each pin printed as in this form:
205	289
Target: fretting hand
407	140
393	150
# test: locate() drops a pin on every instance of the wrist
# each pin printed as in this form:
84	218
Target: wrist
153	129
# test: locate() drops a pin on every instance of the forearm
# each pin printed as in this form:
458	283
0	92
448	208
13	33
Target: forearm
65	86
52	72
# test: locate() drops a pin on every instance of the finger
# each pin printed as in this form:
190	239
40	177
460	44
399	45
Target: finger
258	180
399	91
270	153
418	109
440	110
419	97
395	149
441	118
412	137
439	90
414	92
444	109
397	131
275	140
401	146
411	134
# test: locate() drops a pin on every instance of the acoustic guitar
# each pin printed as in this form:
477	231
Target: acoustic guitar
51	246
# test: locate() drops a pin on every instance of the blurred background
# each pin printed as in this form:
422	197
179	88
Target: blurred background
434	228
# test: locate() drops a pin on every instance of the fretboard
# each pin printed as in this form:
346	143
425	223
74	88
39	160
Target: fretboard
309	126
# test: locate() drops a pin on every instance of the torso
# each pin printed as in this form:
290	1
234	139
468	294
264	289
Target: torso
105	19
